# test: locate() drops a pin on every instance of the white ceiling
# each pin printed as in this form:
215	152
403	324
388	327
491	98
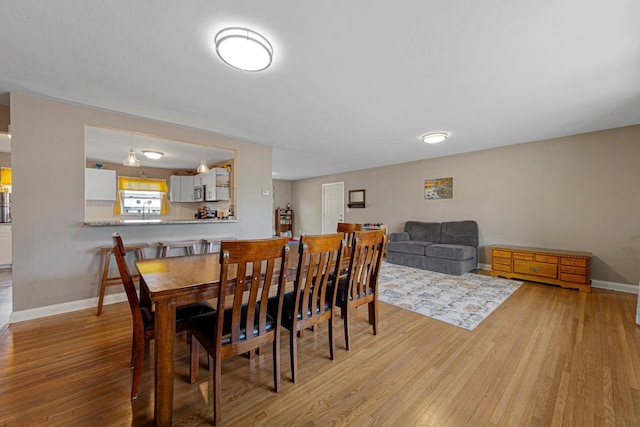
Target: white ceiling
353	84
111	146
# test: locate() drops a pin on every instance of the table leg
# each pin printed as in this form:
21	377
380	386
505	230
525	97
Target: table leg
165	337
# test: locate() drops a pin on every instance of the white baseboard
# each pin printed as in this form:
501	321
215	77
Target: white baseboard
615	286
600	284
66	307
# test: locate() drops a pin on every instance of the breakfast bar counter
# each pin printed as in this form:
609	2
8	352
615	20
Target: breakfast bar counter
111	222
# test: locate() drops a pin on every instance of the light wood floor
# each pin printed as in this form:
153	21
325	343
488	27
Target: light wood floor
547	356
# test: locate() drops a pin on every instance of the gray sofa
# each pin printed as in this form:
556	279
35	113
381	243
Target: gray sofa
447	247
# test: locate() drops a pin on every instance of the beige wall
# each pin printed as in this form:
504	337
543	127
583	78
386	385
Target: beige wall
575	193
54	254
5	160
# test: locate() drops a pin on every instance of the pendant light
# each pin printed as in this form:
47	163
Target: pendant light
203	168
131	157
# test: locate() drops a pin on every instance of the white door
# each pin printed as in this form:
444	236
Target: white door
332	206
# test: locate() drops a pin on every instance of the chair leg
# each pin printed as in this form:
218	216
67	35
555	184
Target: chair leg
373	316
138	359
293	353
103	281
345	318
276	361
194	362
331	340
217	388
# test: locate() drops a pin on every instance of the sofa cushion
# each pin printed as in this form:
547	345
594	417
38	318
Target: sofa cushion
423	231
460	233
456	252
409	247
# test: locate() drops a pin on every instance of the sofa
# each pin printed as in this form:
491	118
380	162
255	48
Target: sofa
445	247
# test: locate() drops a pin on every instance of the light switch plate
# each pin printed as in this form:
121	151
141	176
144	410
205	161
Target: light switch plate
266	192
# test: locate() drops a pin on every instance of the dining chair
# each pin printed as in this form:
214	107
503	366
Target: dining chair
249	270
144	317
349	229
360	286
311	302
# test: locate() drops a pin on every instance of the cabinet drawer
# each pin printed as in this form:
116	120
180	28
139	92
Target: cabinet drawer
535	269
501	267
501	254
525	257
578	262
580	271
573	278
547	258
505	261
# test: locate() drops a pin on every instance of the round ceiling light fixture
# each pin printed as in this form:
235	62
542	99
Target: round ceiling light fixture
434	138
153	155
244	49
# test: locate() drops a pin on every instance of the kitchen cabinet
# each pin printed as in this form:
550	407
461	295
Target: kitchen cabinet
99	184
181	188
5	245
217	184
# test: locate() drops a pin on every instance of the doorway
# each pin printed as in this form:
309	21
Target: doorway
332	206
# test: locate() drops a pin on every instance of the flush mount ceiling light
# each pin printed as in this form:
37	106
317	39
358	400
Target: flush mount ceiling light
244	49
153	155
434	138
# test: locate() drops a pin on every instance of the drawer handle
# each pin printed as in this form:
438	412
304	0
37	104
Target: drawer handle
534	269
572	270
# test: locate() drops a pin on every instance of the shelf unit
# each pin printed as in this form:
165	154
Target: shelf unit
284	222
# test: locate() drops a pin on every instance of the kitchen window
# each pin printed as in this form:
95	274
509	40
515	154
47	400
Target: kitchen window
141	196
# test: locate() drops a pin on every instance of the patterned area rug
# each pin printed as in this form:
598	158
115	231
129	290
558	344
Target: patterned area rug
462	301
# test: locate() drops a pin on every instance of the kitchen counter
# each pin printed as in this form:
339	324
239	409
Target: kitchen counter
111	222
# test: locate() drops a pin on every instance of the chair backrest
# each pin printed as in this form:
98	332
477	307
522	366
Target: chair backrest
127	281
364	265
319	260
247	270
348	230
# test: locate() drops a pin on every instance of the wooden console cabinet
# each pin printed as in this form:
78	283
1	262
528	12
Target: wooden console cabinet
556	267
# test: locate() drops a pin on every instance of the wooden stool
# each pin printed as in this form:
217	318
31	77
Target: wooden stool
106	280
188	245
209	245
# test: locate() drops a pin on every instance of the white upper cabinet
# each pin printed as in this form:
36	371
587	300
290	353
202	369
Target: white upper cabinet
99	184
181	188
217	185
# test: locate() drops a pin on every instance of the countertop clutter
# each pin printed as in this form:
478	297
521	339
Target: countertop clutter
139	221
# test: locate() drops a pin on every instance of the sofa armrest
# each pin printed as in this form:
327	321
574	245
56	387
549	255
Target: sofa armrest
399	237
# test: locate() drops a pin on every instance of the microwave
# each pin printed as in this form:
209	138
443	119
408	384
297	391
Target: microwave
199	193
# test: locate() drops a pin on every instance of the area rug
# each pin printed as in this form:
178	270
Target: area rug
462	301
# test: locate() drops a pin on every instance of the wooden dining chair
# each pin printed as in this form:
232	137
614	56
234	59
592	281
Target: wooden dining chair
349	229
360	286
251	269
311	301
144	317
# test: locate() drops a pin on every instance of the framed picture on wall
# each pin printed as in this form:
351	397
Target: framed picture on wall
439	188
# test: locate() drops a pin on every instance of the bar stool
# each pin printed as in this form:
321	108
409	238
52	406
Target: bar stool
188	245
106	280
209	245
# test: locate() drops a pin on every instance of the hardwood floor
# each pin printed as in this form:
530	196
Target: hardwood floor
545	357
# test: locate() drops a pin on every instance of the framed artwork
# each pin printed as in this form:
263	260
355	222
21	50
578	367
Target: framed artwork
439	188
356	199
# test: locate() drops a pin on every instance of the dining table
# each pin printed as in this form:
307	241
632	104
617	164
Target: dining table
171	282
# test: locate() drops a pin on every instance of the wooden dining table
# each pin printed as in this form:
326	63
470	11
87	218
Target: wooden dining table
171	282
